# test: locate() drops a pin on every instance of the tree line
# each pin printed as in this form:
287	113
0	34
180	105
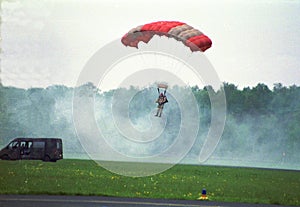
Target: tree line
262	123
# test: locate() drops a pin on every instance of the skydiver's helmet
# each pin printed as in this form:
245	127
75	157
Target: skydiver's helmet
161	95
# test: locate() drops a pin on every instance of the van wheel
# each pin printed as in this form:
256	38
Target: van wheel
5	157
46	158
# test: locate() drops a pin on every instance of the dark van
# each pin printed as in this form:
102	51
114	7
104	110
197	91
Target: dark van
46	149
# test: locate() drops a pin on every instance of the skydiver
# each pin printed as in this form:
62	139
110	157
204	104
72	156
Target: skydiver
162	99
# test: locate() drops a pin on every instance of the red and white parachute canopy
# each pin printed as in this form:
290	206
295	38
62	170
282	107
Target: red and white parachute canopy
191	37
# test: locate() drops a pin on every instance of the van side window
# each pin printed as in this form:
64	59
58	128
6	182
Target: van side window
27	149
23	147
38	145
23	144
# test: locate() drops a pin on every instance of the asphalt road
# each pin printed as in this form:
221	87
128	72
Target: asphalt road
93	201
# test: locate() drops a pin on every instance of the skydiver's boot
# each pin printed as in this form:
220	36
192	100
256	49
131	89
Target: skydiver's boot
157	113
160	113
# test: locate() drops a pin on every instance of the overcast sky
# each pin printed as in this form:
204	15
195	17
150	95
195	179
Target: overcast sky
49	42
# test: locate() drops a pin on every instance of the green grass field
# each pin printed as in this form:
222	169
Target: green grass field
84	177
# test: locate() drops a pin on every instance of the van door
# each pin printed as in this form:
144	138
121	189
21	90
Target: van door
26	149
13	150
37	150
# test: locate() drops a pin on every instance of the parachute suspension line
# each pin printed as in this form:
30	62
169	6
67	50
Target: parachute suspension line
173	62
142	58
156	61
182	65
158	58
158	90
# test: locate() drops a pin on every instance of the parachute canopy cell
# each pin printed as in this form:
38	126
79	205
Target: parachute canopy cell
191	37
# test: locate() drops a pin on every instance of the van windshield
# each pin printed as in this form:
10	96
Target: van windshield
13	145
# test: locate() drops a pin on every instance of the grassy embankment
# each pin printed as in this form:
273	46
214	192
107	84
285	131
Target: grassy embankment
83	177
